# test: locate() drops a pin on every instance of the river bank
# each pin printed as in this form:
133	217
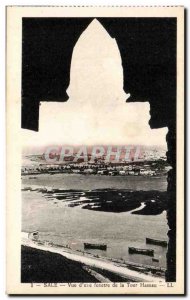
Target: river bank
68	210
87	265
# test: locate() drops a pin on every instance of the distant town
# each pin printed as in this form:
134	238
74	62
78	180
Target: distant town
153	163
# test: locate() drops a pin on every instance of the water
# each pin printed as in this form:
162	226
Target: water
86	182
61	224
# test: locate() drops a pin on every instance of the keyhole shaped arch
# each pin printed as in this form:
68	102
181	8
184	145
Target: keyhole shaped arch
148	52
105	55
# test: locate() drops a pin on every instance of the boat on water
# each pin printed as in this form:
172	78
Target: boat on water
155	259
133	250
156	242
95	246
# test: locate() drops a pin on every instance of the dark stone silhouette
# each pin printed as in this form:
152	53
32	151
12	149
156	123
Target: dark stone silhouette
46	57
148	52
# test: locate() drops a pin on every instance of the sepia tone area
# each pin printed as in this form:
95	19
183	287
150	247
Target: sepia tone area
152	79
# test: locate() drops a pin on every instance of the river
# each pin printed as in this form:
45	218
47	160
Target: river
61	224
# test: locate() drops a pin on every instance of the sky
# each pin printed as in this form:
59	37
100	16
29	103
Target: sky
96	112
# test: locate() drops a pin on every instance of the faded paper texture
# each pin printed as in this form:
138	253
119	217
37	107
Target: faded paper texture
95	144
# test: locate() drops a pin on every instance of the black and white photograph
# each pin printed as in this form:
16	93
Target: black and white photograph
100	116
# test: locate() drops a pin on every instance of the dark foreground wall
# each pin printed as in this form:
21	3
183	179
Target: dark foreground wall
43	266
148	52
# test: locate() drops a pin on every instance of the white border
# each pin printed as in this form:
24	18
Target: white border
186	3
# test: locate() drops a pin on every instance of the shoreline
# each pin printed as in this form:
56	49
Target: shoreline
152	202
127	270
157	176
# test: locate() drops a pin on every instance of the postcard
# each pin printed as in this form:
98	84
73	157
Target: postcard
95	150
